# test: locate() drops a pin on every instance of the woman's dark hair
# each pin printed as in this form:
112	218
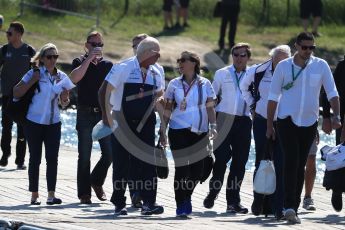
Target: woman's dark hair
193	57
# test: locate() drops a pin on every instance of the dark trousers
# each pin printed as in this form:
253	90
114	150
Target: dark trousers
86	120
295	142
189	168
230	14
259	131
235	146
6	136
140	176
37	135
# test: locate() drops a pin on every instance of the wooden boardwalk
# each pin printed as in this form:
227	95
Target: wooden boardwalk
14	204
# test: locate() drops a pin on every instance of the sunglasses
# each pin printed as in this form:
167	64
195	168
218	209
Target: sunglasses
9	33
183	60
241	55
49	57
95	44
313	47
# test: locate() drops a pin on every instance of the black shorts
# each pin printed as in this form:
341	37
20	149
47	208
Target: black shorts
167	5
184	3
310	7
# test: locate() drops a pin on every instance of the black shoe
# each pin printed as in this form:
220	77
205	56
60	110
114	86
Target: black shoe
236	208
120	211
3	161
35	202
337	201
152	209
209	200
257	206
177	26
52	201
21	167
85	199
186	25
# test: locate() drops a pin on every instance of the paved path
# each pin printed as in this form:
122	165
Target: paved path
14	199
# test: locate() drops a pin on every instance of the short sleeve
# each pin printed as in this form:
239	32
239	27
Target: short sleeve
27	77
209	90
169	92
76	63
115	77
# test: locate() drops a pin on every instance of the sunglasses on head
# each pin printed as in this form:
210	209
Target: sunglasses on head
183	60
49	57
241	54
313	47
95	44
9	33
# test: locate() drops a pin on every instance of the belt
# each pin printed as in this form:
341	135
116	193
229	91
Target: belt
89	108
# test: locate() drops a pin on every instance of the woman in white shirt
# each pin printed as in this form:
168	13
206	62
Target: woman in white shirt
190	112
43	118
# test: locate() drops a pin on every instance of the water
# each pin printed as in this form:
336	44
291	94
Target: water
69	138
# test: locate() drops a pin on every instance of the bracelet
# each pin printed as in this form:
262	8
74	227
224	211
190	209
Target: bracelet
213	125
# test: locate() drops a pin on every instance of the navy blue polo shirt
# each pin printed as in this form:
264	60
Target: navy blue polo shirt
89	85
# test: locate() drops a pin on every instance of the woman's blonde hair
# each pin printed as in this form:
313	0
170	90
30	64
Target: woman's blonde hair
41	53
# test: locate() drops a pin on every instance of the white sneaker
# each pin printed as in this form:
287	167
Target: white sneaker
291	217
308	204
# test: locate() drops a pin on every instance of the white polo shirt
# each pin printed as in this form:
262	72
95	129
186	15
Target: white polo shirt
192	117
44	107
301	101
226	84
129	71
264	87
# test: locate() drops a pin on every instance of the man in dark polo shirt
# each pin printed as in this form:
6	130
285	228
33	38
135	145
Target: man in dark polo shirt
15	62
88	73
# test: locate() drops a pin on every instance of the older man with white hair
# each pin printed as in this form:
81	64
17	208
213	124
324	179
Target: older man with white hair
133	86
255	87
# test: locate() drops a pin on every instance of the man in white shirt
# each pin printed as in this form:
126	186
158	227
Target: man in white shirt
296	86
234	128
134	87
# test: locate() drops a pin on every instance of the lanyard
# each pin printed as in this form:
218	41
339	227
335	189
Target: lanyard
238	79
294	78
143	76
185	92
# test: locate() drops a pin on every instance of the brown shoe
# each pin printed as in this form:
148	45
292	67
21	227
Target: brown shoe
85	199
99	192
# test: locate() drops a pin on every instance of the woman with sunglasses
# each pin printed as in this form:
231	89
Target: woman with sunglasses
43	118
189	110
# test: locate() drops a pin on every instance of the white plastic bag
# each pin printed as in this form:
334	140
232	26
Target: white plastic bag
335	157
100	130
265	178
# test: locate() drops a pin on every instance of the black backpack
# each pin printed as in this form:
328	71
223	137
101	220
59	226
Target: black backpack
17	109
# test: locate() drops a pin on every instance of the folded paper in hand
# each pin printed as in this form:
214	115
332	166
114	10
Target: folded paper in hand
64	84
101	130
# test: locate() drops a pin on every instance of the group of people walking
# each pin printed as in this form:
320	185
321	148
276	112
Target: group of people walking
279	98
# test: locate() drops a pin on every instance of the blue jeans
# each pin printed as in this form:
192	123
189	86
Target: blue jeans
86	120
36	135
235	146
259	131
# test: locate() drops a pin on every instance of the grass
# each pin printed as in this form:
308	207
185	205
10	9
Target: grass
52	27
